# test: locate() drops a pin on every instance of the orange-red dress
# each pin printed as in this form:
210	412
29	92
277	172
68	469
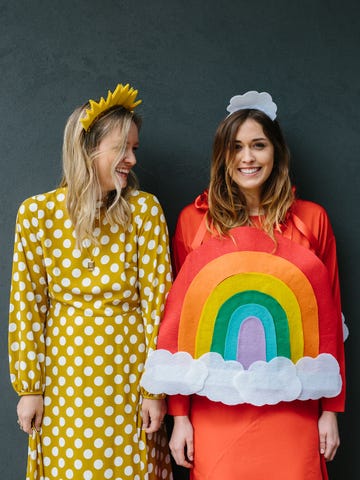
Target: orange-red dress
271	439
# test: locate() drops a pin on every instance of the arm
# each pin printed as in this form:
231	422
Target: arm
28	310
154	284
328	255
315	232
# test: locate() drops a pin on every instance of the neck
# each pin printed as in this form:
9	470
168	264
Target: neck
253	204
254	212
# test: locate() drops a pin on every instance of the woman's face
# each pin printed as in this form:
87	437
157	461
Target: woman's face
254	159
108	151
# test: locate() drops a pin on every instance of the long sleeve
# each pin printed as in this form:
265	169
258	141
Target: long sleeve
315	232
187	226
154	267
328	255
28	305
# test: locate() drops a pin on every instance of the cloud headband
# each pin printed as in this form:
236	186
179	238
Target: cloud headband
253	100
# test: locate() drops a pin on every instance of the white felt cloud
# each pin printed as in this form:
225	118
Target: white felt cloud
345	328
173	373
324	371
259	101
228	382
267	383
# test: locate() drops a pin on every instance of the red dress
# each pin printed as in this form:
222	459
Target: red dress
246	441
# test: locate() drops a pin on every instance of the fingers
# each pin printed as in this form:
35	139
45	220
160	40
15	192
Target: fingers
190	450
152	421
153	413
145	419
329	439
37	422
181	442
330	449
328	446
183	454
30	412
153	427
322	438
25	424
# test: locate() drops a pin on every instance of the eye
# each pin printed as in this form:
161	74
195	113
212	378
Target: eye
237	147
259	145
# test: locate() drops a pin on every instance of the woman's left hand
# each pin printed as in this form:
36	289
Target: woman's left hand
328	435
153	413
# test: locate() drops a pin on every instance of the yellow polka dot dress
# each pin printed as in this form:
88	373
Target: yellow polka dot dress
81	325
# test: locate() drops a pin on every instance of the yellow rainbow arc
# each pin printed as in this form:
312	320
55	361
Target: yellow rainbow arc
242	271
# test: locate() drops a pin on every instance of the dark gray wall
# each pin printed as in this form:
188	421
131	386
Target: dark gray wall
186	58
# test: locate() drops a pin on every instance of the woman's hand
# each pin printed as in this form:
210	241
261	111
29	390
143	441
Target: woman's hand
30	409
182	441
153	412
328	435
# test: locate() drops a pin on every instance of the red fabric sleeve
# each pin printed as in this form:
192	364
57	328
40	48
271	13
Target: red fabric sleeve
187	227
317	221
178	405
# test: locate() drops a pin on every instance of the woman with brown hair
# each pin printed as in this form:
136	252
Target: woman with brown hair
250	349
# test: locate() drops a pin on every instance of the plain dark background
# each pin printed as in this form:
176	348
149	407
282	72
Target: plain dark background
187	58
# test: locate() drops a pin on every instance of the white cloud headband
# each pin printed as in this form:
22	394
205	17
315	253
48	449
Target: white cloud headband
253	100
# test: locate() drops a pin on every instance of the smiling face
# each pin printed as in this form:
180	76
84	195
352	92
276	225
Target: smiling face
112	168
253	161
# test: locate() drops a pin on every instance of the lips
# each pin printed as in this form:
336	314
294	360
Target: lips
122	171
249	171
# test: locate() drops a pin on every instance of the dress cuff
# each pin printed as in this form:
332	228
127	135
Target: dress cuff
23	394
152	396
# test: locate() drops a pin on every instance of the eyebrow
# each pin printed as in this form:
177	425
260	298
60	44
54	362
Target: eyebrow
254	139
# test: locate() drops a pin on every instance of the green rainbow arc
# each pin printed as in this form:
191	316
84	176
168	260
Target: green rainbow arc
225	336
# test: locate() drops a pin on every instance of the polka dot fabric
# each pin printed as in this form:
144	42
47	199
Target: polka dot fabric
80	337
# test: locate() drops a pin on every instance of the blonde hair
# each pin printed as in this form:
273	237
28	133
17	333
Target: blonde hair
227	203
80	149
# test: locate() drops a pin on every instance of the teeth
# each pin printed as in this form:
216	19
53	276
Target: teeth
249	170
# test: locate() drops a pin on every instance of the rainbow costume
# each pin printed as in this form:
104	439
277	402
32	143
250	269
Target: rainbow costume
251	341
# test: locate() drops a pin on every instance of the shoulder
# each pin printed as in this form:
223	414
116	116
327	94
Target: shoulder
306	206
196	209
40	203
145	207
309	212
312	220
141	201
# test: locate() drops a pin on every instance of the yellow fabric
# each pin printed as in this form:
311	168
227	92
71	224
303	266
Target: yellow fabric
152	396
81	337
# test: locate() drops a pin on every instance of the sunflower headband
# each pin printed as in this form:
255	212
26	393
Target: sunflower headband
253	100
123	96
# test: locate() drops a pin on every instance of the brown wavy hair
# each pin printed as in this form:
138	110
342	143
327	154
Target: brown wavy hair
227	203
80	150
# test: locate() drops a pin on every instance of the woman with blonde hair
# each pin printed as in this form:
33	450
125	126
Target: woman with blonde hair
250	348
90	277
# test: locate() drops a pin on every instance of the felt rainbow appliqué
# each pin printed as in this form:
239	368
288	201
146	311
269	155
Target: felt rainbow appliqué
243	324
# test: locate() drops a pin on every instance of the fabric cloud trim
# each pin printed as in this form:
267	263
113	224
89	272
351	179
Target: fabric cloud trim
228	382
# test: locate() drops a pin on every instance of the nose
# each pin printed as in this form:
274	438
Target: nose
247	155
130	158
